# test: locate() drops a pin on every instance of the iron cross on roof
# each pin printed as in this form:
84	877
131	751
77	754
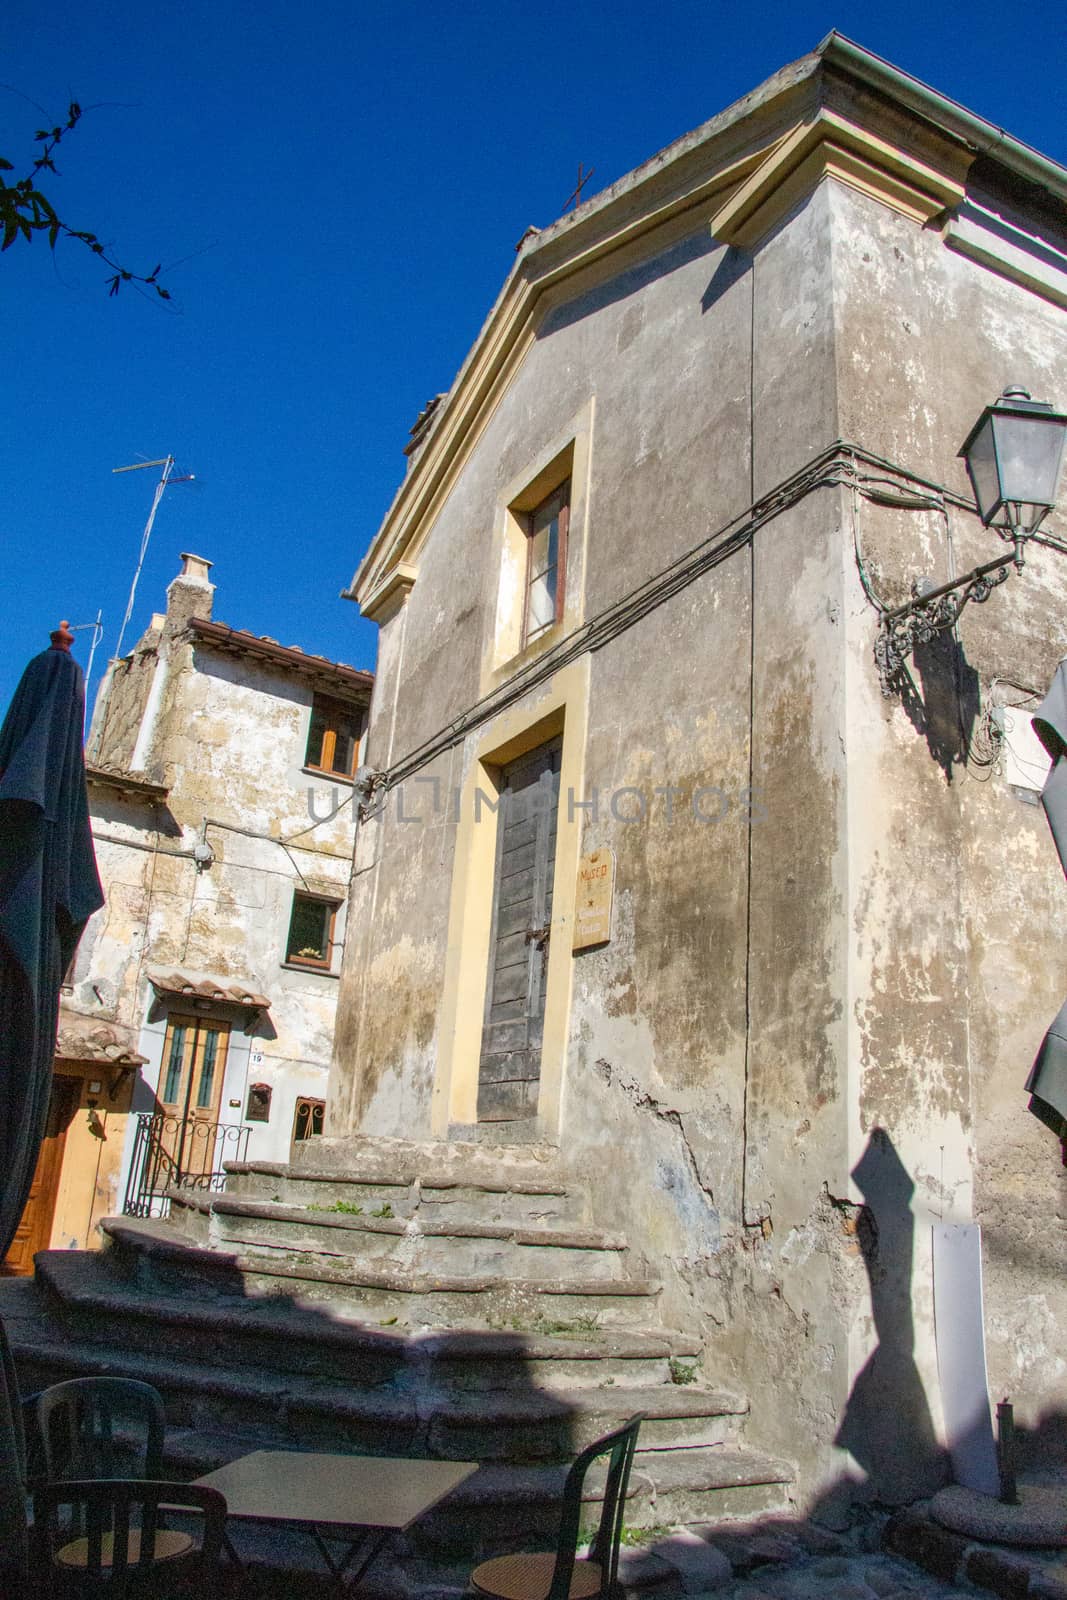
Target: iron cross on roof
575	197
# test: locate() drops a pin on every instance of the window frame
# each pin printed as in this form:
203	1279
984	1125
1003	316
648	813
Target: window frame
313	964
311	1103
333	712
562	491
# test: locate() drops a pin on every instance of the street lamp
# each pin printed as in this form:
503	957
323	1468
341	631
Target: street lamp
1013	455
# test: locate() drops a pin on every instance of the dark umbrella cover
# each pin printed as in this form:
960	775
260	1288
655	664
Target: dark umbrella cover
1047	1083
49	887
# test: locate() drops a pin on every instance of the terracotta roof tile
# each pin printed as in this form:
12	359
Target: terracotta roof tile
208	989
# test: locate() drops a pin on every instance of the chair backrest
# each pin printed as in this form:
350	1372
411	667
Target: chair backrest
110	1509
100	1428
13	1529
619	1447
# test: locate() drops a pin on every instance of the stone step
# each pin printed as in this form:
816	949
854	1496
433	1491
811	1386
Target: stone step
690	1466
532	1197
504	1506
268	1334
295	1412
156	1256
455	1246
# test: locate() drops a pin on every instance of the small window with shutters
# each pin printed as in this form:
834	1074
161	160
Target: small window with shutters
333	737
546	563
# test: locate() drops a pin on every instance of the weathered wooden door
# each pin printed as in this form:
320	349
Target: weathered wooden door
510	1067
194	1063
34	1231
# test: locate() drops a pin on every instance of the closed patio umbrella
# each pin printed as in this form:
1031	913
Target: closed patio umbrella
1047	1083
49	887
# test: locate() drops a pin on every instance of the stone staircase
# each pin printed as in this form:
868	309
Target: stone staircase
395	1299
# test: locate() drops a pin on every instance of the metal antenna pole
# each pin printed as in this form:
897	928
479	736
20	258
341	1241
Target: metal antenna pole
98	634
167	464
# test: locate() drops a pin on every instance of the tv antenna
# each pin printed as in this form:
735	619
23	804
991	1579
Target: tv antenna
166	476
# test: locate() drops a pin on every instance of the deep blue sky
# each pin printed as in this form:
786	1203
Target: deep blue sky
335	191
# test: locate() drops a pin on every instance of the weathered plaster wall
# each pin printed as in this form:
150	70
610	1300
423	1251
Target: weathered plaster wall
809	1031
956	895
228	737
723	1084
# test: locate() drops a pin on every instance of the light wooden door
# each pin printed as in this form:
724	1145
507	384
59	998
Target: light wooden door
190	1091
34	1231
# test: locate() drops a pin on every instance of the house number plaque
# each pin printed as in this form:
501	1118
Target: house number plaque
596	891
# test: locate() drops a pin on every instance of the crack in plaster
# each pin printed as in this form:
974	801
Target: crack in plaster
643	1100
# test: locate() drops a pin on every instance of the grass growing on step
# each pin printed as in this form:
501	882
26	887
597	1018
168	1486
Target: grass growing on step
343	1208
682	1372
561	1327
631	1536
385	1210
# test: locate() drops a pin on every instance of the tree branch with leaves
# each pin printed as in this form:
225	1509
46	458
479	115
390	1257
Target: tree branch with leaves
25	210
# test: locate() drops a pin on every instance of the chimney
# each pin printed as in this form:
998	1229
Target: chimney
191	593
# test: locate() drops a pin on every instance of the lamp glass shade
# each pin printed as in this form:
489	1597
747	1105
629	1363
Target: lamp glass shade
1014	454
1029	453
981	457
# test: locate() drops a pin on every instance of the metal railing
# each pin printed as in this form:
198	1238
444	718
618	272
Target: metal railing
172	1152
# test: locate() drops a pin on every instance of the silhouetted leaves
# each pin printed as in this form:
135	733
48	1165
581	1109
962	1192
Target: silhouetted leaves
24	210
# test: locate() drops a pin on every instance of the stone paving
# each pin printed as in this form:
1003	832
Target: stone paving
768	1559
771	1560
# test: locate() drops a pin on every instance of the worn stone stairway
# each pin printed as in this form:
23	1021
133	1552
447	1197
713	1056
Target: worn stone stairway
398	1299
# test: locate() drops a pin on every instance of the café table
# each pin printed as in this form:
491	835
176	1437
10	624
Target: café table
357	1501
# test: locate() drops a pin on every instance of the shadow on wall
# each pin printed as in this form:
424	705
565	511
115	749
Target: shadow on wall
944	710
887	1425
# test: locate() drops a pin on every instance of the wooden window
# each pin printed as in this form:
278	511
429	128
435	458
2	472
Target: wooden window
311	931
333	737
546	562
307	1123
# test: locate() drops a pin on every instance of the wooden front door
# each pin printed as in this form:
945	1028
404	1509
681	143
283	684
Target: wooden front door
34	1231
190	1089
510	1067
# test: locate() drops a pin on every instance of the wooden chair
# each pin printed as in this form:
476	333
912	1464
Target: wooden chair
561	1574
124	1551
98	1428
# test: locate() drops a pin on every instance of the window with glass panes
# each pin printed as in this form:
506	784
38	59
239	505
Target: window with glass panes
333	737
546	560
311	927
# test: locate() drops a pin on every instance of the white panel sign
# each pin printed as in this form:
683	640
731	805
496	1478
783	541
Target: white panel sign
961	1355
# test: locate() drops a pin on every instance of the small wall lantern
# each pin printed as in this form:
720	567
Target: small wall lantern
1013	454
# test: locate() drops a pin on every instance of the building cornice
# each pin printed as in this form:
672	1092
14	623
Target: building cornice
833	146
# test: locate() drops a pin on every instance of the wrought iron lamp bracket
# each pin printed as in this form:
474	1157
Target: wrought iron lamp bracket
926	615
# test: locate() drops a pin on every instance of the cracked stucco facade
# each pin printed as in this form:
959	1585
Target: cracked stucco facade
195	744
807	1038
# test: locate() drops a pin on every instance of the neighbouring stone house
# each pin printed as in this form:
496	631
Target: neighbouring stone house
196	1022
655	884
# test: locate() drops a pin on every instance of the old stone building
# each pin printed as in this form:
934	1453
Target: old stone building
656	886
701	932
196	1023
